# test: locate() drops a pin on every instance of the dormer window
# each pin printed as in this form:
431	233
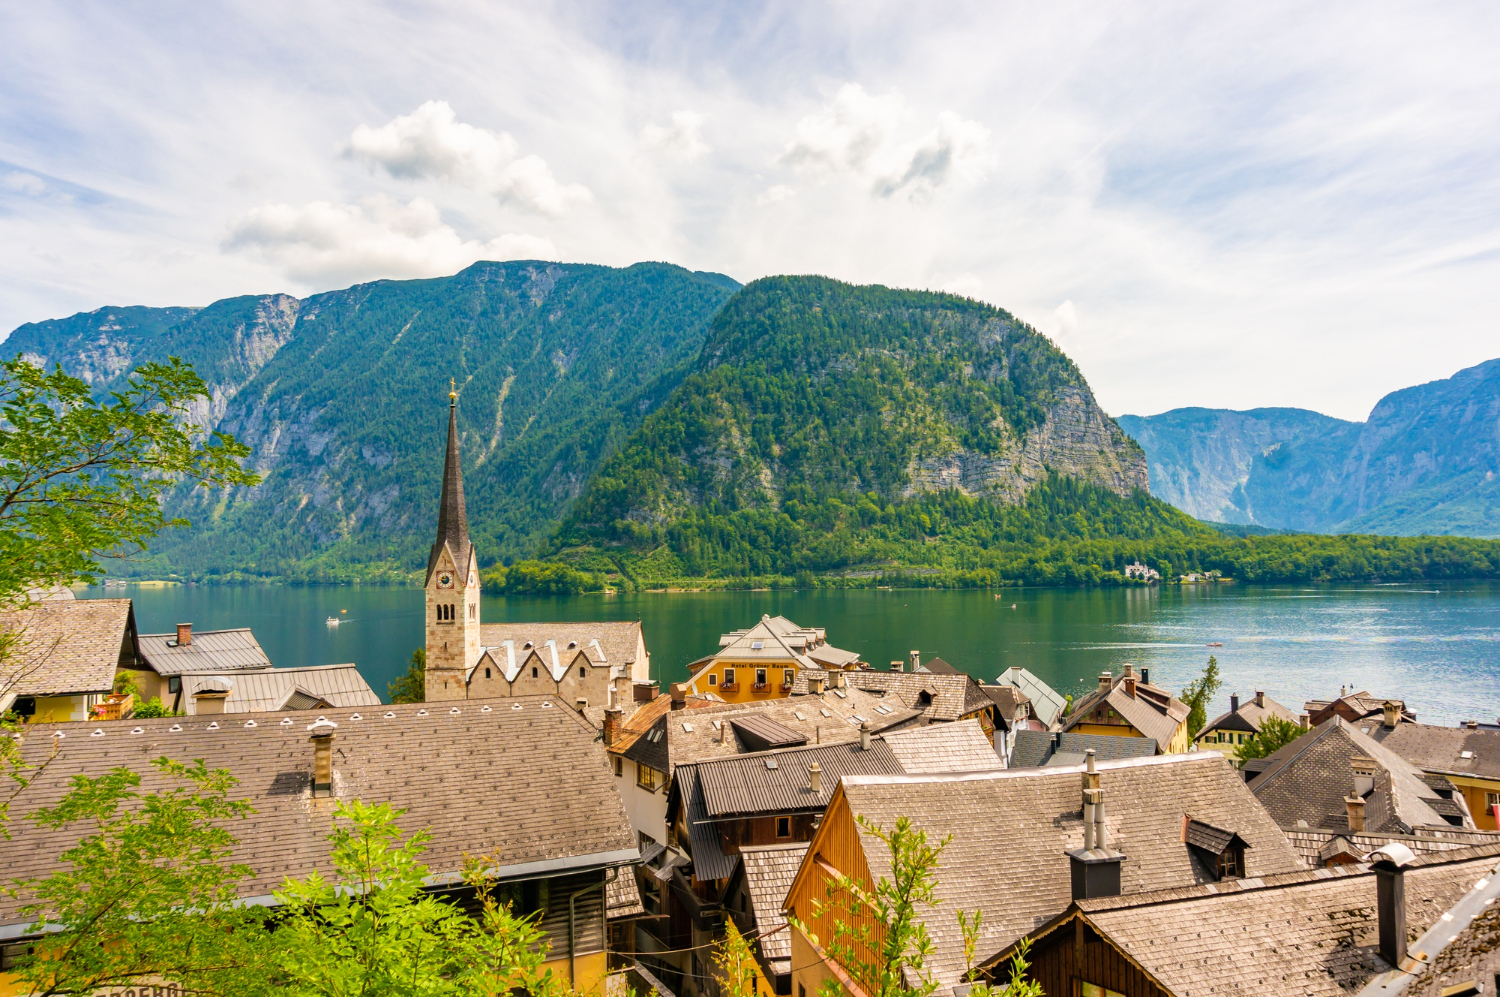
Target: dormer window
1220	853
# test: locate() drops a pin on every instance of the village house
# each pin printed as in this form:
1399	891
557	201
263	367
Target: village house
1047	704
1128	705
1354	707
1229	732
1036	748
1027	842
166	657
65	656
469	659
942	694
763	661
1321	847
1321	933
1337	778
272	690
1466	757
491	785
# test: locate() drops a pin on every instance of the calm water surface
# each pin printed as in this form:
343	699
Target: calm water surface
1438	646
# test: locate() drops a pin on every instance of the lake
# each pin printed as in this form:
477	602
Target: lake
1435	645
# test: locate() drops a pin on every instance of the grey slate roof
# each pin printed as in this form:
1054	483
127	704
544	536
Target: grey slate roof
1308	933
209	651
769	871
1308	780
270	689
524	782
1206	836
1442	749
1032	748
1046	703
761	733
1011	831
68	646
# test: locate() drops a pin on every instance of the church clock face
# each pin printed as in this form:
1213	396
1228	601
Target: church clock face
445	580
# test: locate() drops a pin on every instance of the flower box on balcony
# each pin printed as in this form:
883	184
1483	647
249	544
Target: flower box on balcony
761	687
730	687
115	708
786	687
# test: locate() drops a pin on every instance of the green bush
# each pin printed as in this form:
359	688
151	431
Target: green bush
153	708
539	578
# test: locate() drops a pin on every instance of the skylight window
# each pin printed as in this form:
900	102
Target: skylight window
756	645
826	713
771	764
1466	754
687	728
798	715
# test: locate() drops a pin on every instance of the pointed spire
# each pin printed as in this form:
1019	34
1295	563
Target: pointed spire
453	521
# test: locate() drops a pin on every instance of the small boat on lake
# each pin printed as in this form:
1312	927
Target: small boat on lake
333	621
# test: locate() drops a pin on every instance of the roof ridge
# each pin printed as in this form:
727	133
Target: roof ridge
1026	773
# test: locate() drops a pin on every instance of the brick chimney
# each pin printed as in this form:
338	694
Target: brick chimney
613	717
1390	714
184	634
1390	900
1234	702
815	777
1355	806
321	732
679	696
898	666
1106	681
1260	698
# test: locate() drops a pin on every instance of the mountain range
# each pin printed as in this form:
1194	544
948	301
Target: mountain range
1425	462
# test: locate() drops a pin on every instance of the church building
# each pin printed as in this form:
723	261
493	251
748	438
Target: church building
586	664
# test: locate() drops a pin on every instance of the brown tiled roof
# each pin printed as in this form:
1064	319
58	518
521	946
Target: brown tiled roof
1011	831
1311	843
760	733
1308	780
1443	749
622	897
267	689
1006	699
68	646
953	696
209	651
769	871
1153	711
522	782
1473	956
1308	933
955	747
1250	716
777	781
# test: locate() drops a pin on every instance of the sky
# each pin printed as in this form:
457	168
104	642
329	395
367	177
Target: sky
1227	205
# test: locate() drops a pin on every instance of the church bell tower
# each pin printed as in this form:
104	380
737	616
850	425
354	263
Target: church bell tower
452	584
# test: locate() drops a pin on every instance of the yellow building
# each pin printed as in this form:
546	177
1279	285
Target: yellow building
1229	732
1129	706
762	662
1468	756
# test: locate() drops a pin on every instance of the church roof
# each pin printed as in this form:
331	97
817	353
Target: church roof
453	521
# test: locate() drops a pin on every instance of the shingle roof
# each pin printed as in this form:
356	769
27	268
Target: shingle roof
1153	711
618	644
1309	779
1007	698
209	651
1308	933
1472	956
1011	831
1311	843
761	733
622	895
68	646
1046	703
1251	714
1206	836
953	696
523	782
955	747
1443	749
268	689
650	748
1032	748
769	871
777	781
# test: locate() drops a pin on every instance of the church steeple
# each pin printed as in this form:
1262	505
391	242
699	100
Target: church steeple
453	521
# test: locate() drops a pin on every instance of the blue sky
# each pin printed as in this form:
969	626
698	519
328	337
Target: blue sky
1268	204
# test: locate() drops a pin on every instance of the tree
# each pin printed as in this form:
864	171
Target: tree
735	963
375	931
1199	693
82	479
147	895
1275	733
411	687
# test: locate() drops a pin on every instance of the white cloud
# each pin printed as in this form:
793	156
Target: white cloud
965	284
776	192
321	241
24	183
679	140
431	143
857	134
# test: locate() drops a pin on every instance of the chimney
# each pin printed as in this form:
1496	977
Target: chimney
815	777
321	735
1095	868
582	702
1129	684
840	680
679	696
1364	775
815	684
209	701
184	634
864	736
1390	900
1304	720
1234	702
916	660
1356	809
621	688
1390	714
898	666
613	717
1260	698
723	730
1105	681
645	692
1145	675
1471	724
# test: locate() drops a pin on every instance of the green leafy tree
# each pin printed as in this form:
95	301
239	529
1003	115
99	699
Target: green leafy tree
1199	693
1017	985
374	931
82	479
1275	733
147	894
411	687
154	708
734	963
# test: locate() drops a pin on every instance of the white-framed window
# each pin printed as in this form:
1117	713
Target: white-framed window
760	676
713	680
729	676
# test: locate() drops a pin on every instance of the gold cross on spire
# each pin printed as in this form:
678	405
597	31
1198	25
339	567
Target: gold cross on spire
452	388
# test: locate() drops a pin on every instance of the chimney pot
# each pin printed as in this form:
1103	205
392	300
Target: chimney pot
1390	900
1390	715
815	684
184	634
1129	670
1260	698
916	661
815	777
679	695
898	666
613	716
1105	681
864	736
1130	686
1234	702
1145	675
1304	720
1471	724
1356	812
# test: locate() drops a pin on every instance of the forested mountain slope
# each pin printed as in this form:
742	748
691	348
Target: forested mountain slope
1425	462
343	397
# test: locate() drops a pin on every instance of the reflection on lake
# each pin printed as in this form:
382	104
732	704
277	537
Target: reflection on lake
1438	646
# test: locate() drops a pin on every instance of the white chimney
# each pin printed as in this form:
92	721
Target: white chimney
864	736
815	777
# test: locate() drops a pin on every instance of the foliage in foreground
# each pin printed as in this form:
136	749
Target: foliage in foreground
1199	693
1275	733
411	686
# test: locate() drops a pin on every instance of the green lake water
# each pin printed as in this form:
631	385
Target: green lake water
1436	645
